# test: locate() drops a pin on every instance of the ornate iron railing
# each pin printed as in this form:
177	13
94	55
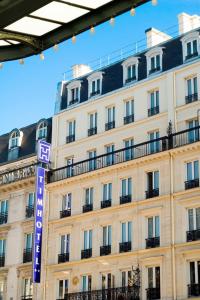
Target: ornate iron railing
27	255
194	290
105	250
193	235
29	211
152	242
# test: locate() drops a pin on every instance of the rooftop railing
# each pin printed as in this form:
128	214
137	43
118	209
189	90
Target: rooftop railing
151	147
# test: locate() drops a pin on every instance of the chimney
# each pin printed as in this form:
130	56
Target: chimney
155	37
80	70
187	22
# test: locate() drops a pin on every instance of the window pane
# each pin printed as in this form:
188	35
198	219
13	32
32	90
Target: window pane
150	227
195	46
129	186
157	271
123	232
189	87
195	85
156	180
150	277
190	219
109	234
189	50
157	226
157	61
123	279
198	218
189	171
192	272
123	187
90	239
129	231
196	169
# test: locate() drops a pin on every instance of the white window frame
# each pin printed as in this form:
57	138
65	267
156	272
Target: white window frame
94	119
107	235
94	77
107	188
66	243
192	85
63	292
190	37
66	200
153	53
130	107
87	239
90	195
194	213
127	180
16	135
127	63
44	127
87	283
192	162
73	122
127	231
154	275
30	286
154	226
112	114
73	85
195	269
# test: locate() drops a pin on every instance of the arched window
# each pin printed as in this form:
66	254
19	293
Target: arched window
41	130
14	139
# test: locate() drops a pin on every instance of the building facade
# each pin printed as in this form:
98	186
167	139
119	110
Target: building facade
17	196
123	192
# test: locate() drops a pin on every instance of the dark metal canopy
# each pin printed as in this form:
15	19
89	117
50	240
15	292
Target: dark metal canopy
30	27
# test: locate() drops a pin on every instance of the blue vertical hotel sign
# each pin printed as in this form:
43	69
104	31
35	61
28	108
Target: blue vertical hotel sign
44	157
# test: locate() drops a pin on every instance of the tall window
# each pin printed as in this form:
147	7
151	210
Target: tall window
75	92
195	273
131	73
67	202
107	191
30	205
86	283
153	227
92	124
110	114
14	140
71	131
153	103
110	155
153	282
64	243
129	153
92	161
87	239
126	232
63	286
107	231
129	112
3	211
154	146
69	164
107	283
192	49
27	288
152	184
194	219
192	170
2	252
126	187
28	242
42	130
155	64
193	135
95	87
126	278
192	90
89	195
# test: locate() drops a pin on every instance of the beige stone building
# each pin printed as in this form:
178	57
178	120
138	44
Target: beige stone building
123	195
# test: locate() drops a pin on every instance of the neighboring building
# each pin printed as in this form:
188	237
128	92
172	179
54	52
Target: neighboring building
17	196
124	209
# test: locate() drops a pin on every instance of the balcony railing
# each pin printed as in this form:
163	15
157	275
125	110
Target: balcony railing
106	203
87	207
194	290
70	138
125	293
87	253
128	119
74	101
29	211
130	79
109	125
65	213
27	255
153	111
125	199
105	250
154	70
2	260
124	247
95	93
190	184
173	141
152	242
191	98
3	218
29	297
92	131
63	257
153	293
191	55
152	193
193	235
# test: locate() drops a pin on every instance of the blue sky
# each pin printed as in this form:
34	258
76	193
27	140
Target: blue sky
27	93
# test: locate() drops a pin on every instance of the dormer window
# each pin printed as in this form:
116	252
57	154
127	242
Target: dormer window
191	45
154	60
130	70
74	92
41	130
14	144
95	84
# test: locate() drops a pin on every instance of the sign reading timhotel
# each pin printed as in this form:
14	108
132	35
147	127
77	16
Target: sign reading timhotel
44	157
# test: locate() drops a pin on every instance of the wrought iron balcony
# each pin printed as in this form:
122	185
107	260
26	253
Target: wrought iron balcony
194	290
125	199
191	98
29	297
191	55
130	79
125	293
27	255
106	203
193	235
63	257
190	184
105	250
74	101
153	293
128	119
87	207
65	213
152	242
29	211
87	253
154	70
125	247
2	260
3	218
92	131
95	93
165	143
109	125
70	138
153	111
152	193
